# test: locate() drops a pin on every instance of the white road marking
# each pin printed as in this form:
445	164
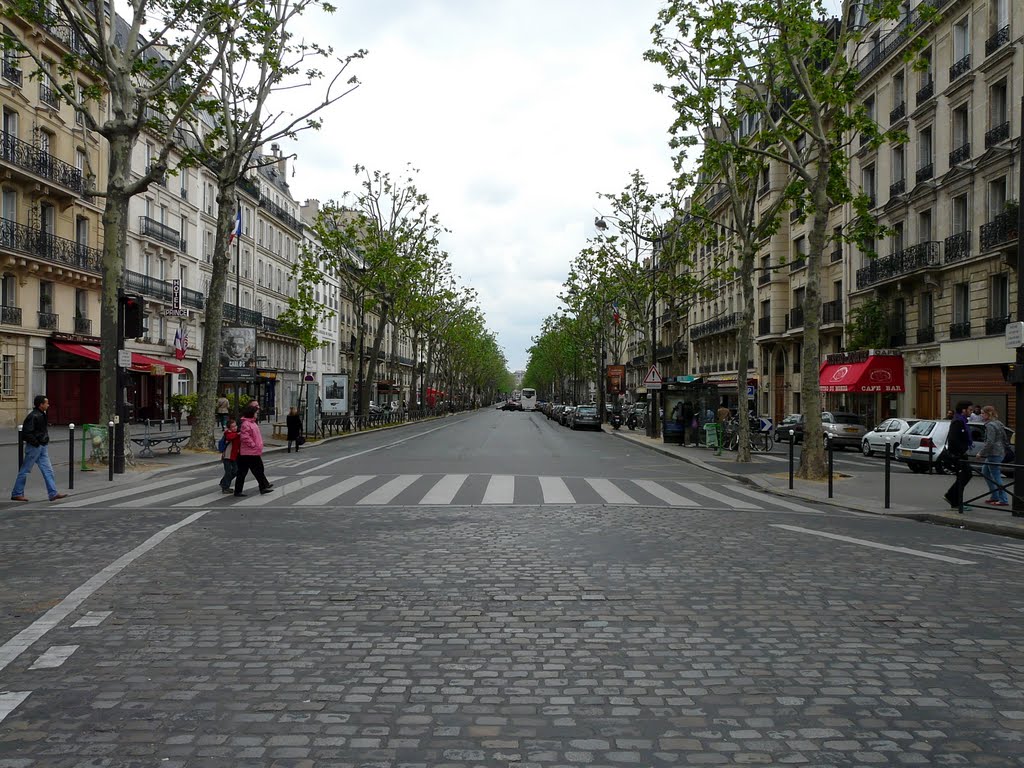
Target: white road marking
14	647
555	491
669	497
608	491
152	501
989	550
122	492
703	490
378	448
500	490
329	494
257	499
875	545
444	490
202	501
91	619
9	701
387	492
774	501
54	656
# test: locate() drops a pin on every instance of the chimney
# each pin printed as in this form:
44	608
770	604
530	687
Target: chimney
282	161
308	210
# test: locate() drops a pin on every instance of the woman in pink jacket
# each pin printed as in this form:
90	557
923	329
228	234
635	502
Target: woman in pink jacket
250	452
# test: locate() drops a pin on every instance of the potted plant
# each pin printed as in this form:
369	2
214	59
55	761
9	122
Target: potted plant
184	404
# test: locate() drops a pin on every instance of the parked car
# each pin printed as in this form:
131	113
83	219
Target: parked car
586	416
927	439
889	431
565	415
794	422
847	429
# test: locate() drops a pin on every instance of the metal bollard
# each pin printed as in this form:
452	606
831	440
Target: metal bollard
931	459
831	464
792	444
110	451
888	467
21	447
71	456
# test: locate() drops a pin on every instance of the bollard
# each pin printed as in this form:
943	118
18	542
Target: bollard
961	465
831	464
71	456
931	459
21	446
792	444
110	451
888	467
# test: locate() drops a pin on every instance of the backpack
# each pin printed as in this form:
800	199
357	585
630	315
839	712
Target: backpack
222	444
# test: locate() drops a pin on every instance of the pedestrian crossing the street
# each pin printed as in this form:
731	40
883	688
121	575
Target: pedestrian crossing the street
368	491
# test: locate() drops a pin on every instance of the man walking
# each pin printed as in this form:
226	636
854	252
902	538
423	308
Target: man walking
37	437
958	442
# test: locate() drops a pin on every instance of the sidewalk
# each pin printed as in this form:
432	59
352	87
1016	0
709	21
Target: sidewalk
917	497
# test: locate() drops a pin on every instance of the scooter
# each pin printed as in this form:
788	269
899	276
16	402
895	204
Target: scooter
615	420
631	421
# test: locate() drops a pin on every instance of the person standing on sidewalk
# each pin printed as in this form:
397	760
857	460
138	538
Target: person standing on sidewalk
957	445
294	424
36	435
723	414
994	453
250	452
229	458
223	406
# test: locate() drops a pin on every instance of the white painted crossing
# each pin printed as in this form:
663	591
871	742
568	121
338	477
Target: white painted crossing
153	500
555	491
703	490
9	701
91	619
332	492
122	492
608	491
262	499
389	490
214	497
663	493
1008	552
444	490
500	490
770	501
54	656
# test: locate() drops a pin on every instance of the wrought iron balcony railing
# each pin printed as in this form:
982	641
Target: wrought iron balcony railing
925	172
48	95
832	311
764	278
961	154
997	41
898	112
960	330
837	253
154	229
925	92
764	326
960	67
12	72
997	135
958	247
797	264
242	316
926	335
897	339
83	326
280	213
796	317
22	154
900	263
889	44
161	289
718	325
898	187
1001	230
994	325
43	245
10	315
48	321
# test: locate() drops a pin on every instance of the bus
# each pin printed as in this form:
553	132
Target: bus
528	399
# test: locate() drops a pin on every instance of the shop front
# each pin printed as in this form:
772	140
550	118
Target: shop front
866	382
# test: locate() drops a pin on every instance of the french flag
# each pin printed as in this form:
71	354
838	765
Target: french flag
237	231
180	343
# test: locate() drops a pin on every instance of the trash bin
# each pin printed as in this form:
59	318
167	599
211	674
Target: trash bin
711	437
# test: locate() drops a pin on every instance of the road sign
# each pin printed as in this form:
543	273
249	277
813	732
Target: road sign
653	379
124	358
751	390
175	313
1014	335
766	424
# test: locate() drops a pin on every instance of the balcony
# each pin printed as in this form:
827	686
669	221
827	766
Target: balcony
242	316
48	321
837	254
10	315
925	172
997	135
280	213
897	187
796	318
897	339
271	325
997	41
718	325
958	247
960	330
996	325
925	92
48	95
764	326
12	73
889	44
161	232
39	163
832	312
43	245
663	353
898	112
83	326
794	215
960	68
1001	231
798	264
961	154
920	256
764	278
926	335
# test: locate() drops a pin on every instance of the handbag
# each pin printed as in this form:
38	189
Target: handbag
300	440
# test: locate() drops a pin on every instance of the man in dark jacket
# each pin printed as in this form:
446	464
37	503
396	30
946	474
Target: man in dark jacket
36	436
958	442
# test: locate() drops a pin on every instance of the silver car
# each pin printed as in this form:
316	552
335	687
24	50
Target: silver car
846	429
889	431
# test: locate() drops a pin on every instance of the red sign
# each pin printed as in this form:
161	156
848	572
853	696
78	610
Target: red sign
878	373
616	384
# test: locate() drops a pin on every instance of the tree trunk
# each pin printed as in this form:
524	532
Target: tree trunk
371	365
744	349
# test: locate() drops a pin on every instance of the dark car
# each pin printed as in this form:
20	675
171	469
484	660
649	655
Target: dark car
794	422
512	405
586	416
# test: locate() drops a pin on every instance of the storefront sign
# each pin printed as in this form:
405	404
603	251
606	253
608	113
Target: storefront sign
616	380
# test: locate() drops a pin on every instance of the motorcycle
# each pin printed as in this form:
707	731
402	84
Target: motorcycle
631	421
615	420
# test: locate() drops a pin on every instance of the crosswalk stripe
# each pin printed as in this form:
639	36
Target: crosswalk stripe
665	494
555	491
608	491
703	490
332	492
774	501
444	490
995	551
149	501
389	490
262	499
205	501
122	492
500	490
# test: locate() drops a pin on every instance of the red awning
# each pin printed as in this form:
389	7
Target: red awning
140	363
879	373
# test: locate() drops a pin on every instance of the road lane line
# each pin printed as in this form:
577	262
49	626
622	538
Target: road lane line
330	493
121	493
703	490
608	491
775	501
91	619
500	490
9	701
444	490
387	492
257	499
555	491
378	448
14	647
54	656
875	545
151	501
665	494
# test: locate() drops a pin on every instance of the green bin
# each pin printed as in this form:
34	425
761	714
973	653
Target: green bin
711	436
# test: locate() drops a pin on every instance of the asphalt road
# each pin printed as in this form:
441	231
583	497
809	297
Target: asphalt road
495	590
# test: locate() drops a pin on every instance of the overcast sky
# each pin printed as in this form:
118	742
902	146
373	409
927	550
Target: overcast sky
517	113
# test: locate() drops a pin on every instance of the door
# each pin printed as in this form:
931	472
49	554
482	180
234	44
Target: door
928	388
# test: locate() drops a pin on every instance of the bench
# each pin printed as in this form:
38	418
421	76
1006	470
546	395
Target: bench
280	429
173	443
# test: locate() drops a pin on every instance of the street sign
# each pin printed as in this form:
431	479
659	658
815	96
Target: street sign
653	378
766	424
175	313
1014	335
176	293
751	390
124	358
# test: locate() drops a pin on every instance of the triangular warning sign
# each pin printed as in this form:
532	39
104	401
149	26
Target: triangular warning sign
653	378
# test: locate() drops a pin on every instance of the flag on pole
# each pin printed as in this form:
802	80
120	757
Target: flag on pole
237	231
615	313
180	342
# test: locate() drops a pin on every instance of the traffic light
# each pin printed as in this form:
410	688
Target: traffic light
132	314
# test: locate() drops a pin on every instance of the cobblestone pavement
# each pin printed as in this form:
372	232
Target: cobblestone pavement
543	636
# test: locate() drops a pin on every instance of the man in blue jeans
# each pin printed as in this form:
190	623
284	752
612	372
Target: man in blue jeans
37	437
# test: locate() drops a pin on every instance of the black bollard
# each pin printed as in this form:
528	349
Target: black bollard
71	456
888	467
931	459
831	465
792	444
110	451
21	447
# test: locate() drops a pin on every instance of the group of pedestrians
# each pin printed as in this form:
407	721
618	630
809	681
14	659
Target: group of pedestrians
994	452
242	452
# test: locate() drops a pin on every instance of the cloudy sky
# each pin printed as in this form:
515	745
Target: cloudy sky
516	112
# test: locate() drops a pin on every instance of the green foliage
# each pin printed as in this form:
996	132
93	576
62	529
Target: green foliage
184	403
867	326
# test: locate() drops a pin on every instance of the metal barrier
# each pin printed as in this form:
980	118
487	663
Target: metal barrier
974	467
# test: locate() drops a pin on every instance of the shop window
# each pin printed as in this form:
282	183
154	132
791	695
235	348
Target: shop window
7	376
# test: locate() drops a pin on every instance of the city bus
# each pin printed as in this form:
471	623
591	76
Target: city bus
529	399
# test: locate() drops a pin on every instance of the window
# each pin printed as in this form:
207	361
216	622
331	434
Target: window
79	116
81	303
926	76
998	104
899	90
10	205
82	230
999	296
961	303
183	276
924	226
10	123
996	197
7	376
46	296
961	127
899	315
47	218
869	107
81	163
45	139
961	212
1000	15
926	316
183	385
961	39
896	241
798	351
899	170
924	147
868	183
208	246
8	291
